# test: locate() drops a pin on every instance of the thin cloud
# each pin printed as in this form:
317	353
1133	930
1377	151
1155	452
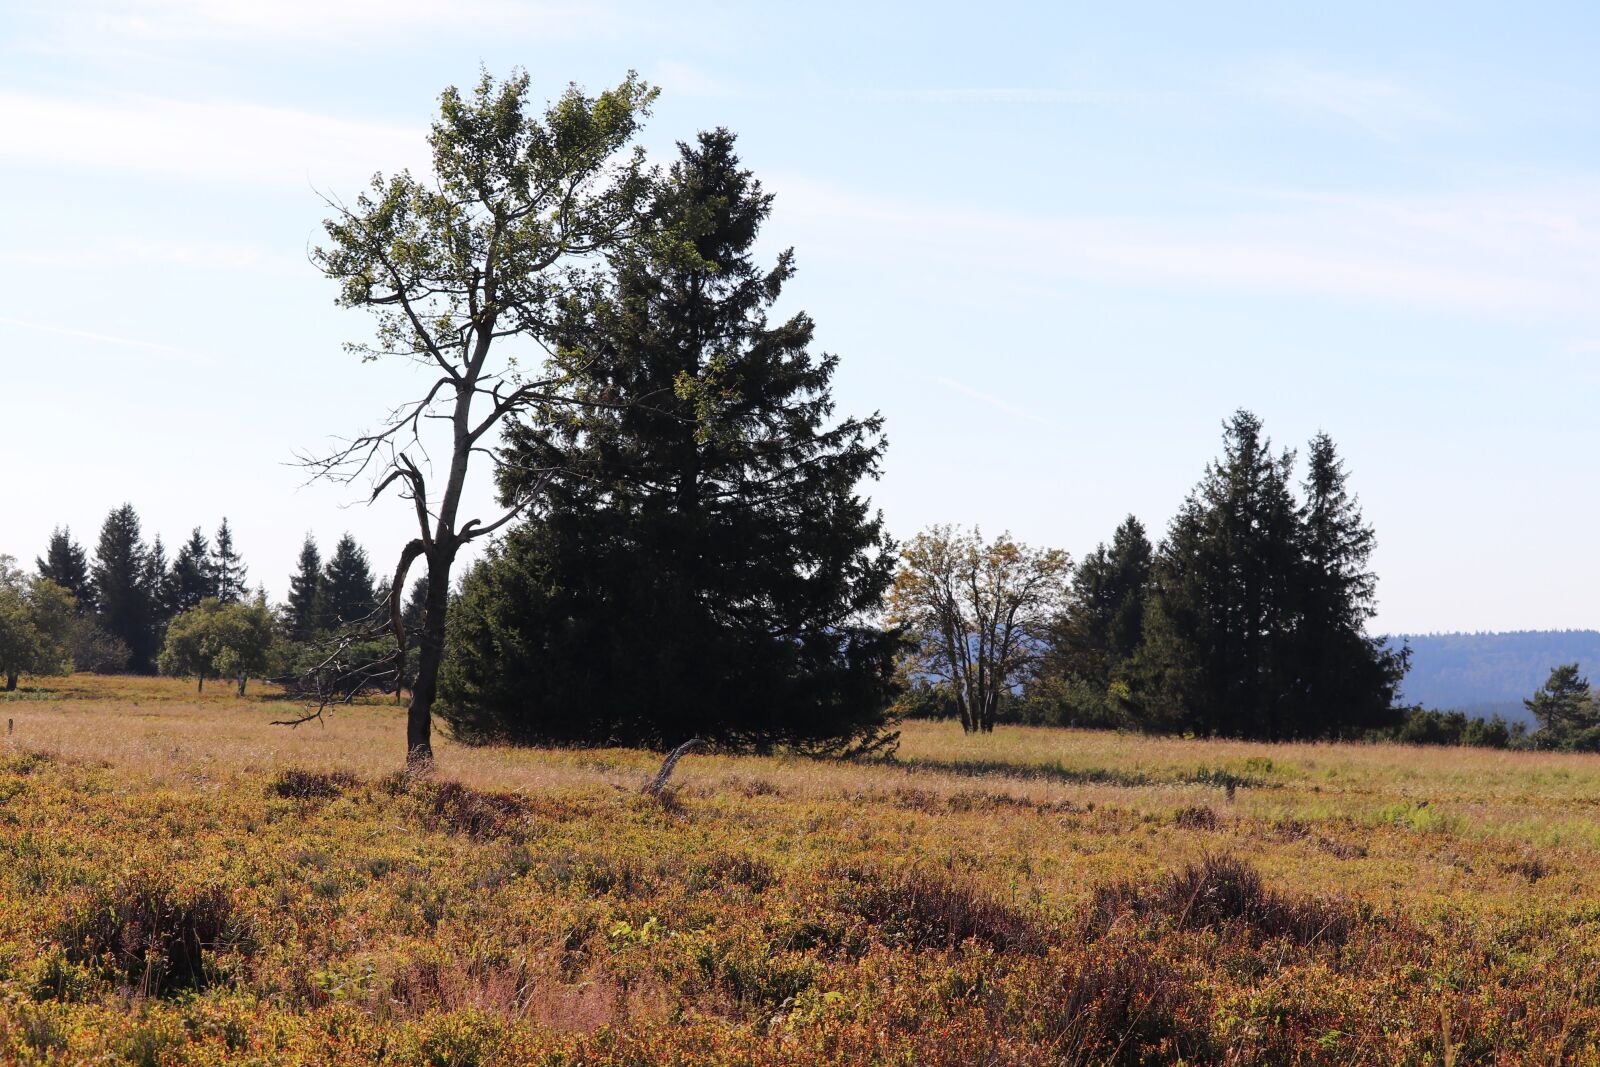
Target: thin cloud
152	347
1381	106
233	142
993	401
1484	254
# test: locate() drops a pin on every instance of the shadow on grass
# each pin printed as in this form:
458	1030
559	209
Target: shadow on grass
1216	777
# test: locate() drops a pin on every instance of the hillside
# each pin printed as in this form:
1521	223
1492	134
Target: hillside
182	883
1491	673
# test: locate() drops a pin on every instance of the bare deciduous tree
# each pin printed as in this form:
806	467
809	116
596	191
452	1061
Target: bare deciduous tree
978	612
462	273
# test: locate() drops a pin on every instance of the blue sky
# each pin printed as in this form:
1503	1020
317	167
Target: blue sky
1054	244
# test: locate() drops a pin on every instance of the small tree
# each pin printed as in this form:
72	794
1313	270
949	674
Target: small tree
67	564
218	640
36	622
227	569
303	613
1565	711
979	613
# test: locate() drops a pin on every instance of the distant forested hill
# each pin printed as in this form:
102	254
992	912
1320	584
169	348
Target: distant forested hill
1487	673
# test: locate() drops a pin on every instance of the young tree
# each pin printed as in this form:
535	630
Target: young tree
304	612
703	565
158	580
463	272
228	571
36	621
123	597
191	579
978	611
67	564
347	592
219	640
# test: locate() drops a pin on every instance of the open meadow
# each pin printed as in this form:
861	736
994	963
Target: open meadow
183	883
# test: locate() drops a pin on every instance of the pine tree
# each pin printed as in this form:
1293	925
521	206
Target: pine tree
67	564
123	598
1565	710
704	562
191	579
304	613
1348	680
228	571
347	588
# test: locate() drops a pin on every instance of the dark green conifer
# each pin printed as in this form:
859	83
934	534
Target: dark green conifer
703	565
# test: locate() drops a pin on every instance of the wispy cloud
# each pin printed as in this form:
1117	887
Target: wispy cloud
236	142
1383	106
152	348
1482	253
96	23
993	401
125	254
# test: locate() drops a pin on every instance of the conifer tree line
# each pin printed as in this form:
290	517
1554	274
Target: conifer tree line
127	592
1249	619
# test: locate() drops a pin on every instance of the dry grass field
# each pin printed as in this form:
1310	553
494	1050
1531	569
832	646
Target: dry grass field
183	883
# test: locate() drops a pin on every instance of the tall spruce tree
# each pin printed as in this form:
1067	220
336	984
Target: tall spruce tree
191	579
1103	625
123	597
67	564
347	588
162	590
228	571
703	564
304	612
1218	655
1347	679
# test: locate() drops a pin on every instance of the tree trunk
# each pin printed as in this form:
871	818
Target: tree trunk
430	653
242	680
201	688
11	681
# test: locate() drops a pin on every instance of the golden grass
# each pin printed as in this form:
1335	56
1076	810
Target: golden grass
785	909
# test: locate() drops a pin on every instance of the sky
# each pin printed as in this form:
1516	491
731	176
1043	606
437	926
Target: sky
1055	244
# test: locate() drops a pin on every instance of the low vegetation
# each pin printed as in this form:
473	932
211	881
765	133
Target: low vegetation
181	883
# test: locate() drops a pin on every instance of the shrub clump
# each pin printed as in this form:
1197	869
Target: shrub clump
154	933
1223	893
480	814
295	784
926	910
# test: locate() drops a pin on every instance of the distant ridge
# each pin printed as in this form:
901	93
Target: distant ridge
1491	673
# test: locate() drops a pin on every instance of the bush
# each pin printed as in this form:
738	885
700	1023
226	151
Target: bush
156	934
1223	893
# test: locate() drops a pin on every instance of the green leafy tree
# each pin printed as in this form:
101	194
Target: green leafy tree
979	613
217	640
461	269
67	564
124	601
36	624
191	579
347	590
704	565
